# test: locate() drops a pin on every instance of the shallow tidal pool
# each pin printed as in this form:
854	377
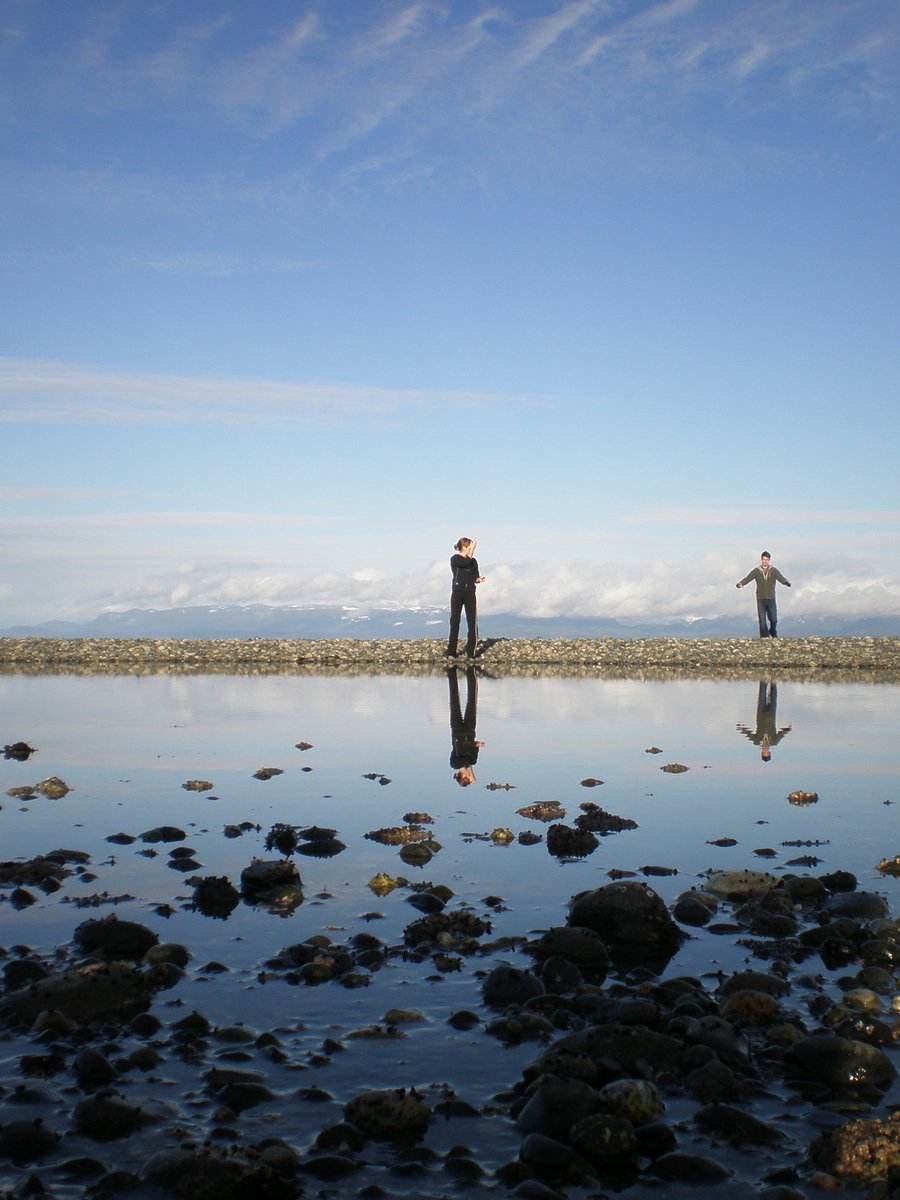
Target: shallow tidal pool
375	749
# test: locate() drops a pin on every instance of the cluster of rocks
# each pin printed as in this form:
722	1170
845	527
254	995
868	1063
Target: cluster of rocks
832	658
639	1077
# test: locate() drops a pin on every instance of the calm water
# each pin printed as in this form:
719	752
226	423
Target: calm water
125	746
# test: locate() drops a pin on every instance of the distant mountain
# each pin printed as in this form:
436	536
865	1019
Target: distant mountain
267	621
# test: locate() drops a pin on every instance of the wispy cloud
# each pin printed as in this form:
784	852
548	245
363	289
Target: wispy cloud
553	76
46	392
760	517
11	493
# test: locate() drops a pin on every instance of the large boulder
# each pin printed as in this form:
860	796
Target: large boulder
631	919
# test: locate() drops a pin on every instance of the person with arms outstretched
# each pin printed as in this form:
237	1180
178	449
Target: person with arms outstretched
765	576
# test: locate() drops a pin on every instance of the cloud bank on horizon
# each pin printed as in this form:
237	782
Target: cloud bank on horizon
300	293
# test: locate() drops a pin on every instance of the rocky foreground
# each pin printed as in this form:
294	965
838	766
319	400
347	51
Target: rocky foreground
851	659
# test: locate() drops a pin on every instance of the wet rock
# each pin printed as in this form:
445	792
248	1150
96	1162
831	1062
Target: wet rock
417	854
163	833
632	1048
680	1167
398	835
859	906
738	1127
388	1115
27	1141
563	841
115	938
53	788
543	810
595	819
555	1157
631	919
84	993
638	1100
93	1069
105	1117
740	883
604	1136
197	785
860	1152
215	896
694	908
275	882
839	1063
510	985
457	931
800	798
20	751
580	945
199	1174
757	981
41	871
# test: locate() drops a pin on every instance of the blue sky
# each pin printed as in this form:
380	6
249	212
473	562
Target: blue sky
298	292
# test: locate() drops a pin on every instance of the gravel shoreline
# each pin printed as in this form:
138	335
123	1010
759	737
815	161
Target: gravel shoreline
834	659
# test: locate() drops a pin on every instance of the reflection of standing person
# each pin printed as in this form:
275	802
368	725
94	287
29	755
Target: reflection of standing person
463	746
766	576
462	596
766	734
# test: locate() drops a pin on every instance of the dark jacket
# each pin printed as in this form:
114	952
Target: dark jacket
465	571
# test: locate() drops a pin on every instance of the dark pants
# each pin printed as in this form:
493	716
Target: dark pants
463	747
768	617
462	598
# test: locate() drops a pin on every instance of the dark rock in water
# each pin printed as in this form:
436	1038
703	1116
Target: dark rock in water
510	985
93	1069
389	1115
193	1174
20	971
695	908
582	946
20	751
53	788
737	1126
598	820
164	833
839	1063
215	896
565	842
553	1157
630	1047
115	938
40	871
27	1141
84	993
604	1136
555	1106
266	875
755	981
104	1118
860	1153
713	1081
427	902
631	919
861	906
679	1167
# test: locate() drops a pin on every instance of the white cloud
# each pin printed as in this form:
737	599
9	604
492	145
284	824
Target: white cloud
44	392
78	582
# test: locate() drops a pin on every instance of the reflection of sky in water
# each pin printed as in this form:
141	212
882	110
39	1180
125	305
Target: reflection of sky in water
126	745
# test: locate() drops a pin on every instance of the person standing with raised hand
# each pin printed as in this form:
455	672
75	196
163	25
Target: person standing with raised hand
464	568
